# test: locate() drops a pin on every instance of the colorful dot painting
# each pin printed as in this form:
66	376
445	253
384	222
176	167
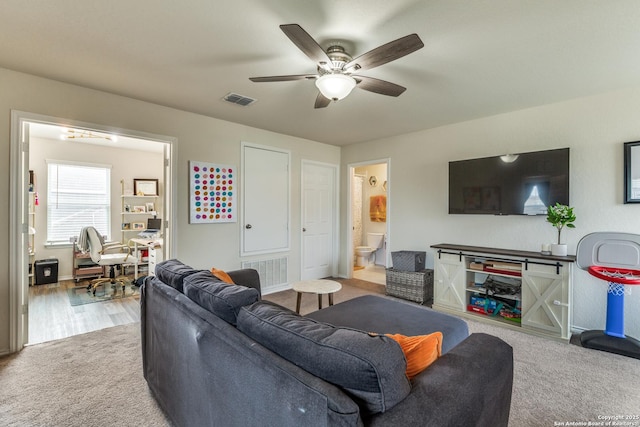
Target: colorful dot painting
212	193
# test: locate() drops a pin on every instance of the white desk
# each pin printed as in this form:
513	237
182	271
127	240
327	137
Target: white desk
155	253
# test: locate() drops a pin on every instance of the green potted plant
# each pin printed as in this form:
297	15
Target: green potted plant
560	216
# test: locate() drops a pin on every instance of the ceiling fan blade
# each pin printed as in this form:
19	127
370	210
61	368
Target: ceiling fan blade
283	78
379	86
307	44
321	101
386	53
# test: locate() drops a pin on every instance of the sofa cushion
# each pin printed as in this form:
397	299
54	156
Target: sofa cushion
222	299
172	272
370	367
420	351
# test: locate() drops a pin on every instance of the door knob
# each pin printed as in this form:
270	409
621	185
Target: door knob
304	229
248	226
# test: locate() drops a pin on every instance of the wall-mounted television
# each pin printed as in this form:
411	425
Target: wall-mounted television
513	184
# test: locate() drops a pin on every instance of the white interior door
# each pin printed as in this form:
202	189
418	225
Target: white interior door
265	198
26	252
318	220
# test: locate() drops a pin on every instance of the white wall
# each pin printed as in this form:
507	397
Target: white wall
125	165
594	128
198	138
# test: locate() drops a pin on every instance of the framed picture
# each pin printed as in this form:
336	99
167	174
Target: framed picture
145	187
632	172
126	226
212	196
138	225
151	207
139	209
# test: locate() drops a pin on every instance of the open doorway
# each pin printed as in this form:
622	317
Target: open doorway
369	219
40	145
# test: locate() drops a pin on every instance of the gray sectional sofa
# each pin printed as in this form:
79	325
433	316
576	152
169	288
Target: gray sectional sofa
217	355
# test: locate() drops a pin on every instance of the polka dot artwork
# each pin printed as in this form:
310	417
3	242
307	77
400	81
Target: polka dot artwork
212	193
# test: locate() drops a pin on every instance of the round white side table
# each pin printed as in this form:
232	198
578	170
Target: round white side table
320	287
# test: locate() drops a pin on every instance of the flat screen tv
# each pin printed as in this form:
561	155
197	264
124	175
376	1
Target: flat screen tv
515	184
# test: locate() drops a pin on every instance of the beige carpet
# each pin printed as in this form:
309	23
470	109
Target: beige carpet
88	380
556	382
96	379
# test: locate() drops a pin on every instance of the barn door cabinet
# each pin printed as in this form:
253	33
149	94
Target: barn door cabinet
537	299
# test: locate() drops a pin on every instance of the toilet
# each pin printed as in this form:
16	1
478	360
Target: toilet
363	253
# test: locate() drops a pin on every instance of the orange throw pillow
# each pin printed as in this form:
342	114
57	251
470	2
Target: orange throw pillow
220	274
420	351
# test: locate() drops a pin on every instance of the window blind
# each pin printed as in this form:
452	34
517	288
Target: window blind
78	195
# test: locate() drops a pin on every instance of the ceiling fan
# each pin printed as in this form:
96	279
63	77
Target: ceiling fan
338	72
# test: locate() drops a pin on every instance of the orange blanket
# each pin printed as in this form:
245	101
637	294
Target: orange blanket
378	208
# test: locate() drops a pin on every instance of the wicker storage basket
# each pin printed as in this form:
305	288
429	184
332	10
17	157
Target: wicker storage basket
411	285
408	260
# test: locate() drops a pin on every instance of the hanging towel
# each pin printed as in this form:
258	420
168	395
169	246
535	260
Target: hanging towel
378	208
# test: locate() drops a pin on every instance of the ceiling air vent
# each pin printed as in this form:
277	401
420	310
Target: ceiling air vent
242	100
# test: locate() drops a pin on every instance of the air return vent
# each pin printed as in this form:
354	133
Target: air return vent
242	100
273	273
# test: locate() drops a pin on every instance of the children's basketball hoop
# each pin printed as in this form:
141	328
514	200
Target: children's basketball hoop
616	275
618	278
614	258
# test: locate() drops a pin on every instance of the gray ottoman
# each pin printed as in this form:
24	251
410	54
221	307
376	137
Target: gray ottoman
371	313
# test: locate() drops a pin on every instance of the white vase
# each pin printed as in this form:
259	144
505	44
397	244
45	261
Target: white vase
559	249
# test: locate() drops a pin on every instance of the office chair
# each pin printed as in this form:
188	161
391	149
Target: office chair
113	255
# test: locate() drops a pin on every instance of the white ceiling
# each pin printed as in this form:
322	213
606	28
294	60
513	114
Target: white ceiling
481	57
55	134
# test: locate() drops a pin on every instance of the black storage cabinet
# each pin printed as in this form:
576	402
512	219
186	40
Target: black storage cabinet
46	271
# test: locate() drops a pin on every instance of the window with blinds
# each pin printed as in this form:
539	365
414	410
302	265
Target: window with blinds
78	195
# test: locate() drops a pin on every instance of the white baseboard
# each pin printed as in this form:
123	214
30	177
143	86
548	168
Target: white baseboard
277	288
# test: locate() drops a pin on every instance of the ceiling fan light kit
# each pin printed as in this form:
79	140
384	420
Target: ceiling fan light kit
335	86
338	72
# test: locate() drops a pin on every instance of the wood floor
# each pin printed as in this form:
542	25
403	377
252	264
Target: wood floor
52	317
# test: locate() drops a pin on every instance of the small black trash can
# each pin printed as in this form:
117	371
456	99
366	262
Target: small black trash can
46	271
